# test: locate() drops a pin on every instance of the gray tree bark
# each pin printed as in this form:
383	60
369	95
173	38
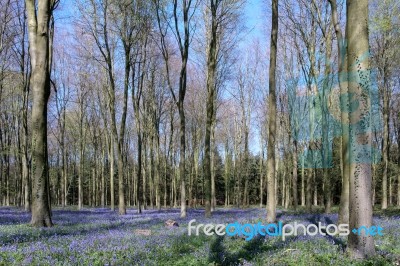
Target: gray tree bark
271	196
344	116
360	207
40	26
211	67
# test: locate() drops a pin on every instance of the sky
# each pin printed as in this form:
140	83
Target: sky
254	12
256	18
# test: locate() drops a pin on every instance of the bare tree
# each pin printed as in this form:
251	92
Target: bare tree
40	27
211	68
360	207
271	196
188	8
342	62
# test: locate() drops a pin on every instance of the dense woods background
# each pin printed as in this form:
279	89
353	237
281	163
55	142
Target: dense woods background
157	104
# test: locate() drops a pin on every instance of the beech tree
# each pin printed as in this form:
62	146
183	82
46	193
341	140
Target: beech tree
271	197
358	65
41	30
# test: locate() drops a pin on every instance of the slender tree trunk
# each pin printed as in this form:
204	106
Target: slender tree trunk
390	191
398	190
103	183
283	188
81	151
309	189
246	165
315	184
325	125
144	171
294	177
344	116
196	174
139	173
64	161
385	148
271	200
261	179
150	170
25	138
303	194
111	158
182	158
213	196
373	184
121	185
226	174
25	157
398	162
157	172
165	181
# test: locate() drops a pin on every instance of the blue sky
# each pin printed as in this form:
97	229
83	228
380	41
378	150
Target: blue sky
254	14
256	18
254	10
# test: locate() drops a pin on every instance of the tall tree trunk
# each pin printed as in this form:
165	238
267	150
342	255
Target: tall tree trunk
121	188
165	181
325	125
139	172
157	171
303	181
213	192
25	137
144	171
227	173
294	177
64	161
315	184
111	158
360	208
271	197
344	116
385	148
261	179
309	189
25	156
103	183
184	51
40	35
81	150
398	162
246	165
182	156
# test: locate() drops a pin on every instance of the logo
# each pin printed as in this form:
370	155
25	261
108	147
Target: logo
316	105
249	231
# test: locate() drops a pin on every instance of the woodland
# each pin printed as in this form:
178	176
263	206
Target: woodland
120	115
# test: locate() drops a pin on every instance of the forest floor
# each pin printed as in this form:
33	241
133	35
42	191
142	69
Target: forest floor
96	236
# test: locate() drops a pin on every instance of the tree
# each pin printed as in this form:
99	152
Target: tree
41	29
342	63
305	40
211	68
188	8
271	197
384	47
20	51
360	206
102	24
